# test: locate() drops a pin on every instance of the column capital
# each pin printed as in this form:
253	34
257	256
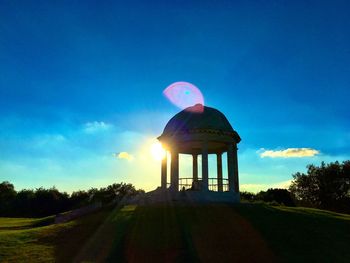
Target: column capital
174	150
232	144
204	145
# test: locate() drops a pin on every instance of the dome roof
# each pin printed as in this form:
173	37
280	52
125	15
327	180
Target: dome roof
197	117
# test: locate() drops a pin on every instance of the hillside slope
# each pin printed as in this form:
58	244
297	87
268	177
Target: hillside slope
158	233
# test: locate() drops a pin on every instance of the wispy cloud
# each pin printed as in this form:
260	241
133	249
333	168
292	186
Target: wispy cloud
124	155
289	153
96	126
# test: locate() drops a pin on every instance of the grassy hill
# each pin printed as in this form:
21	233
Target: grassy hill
158	233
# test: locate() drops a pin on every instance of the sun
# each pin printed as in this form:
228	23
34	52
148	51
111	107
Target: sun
157	151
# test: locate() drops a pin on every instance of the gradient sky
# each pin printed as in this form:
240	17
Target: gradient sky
81	81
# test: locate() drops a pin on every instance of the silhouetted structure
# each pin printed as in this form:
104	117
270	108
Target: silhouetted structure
201	130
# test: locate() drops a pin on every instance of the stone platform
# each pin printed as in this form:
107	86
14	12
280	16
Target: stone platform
160	196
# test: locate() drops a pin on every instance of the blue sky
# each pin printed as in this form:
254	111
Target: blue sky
81	80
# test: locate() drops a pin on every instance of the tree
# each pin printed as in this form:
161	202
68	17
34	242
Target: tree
79	199
24	203
7	197
326	186
112	193
49	201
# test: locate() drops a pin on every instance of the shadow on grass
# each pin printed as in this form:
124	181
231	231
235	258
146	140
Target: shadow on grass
156	233
301	234
185	233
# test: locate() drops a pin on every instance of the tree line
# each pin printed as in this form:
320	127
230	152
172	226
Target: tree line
326	187
44	202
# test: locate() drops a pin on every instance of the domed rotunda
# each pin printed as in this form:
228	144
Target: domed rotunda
199	131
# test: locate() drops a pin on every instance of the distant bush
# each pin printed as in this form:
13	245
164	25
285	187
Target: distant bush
271	196
43	202
248	196
280	196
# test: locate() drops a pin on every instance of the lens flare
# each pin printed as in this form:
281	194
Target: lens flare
183	95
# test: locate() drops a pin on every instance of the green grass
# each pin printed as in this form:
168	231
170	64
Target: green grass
241	233
28	240
7	223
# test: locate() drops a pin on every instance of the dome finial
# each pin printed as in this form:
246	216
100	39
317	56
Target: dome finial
198	108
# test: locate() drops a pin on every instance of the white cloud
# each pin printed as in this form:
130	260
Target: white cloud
124	155
96	126
289	153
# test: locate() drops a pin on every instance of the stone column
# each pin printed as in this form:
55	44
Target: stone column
205	167
235	168
174	171
230	167
219	171
164	171
195	166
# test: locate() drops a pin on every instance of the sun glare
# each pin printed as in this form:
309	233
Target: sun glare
157	151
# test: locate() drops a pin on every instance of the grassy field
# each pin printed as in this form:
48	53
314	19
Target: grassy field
158	233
